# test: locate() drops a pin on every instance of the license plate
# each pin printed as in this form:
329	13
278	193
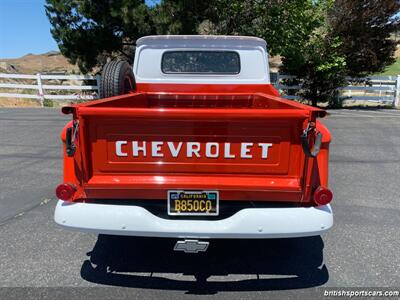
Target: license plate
193	203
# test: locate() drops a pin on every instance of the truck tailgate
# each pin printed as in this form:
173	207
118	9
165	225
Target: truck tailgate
249	152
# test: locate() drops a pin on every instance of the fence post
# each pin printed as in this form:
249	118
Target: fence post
98	78
396	101
40	89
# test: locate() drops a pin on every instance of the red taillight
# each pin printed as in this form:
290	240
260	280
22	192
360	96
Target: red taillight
65	191
322	196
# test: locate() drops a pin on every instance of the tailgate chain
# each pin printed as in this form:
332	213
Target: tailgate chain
304	141
70	138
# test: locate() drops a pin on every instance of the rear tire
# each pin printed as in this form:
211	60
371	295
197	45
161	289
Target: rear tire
116	79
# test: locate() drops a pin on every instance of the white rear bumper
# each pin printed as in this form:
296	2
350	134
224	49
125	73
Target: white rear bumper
247	223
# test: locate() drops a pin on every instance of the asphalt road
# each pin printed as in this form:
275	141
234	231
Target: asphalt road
362	250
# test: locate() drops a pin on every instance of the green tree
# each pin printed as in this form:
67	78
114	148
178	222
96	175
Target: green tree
285	25
321	42
88	31
298	30
316	58
365	28
346	38
179	16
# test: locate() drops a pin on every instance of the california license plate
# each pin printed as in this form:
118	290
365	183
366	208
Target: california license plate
193	203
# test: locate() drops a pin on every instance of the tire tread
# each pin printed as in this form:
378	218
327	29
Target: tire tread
112	78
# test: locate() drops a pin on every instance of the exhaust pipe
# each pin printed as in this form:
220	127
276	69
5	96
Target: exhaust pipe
191	246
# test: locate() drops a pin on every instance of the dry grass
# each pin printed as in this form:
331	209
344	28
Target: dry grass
12	102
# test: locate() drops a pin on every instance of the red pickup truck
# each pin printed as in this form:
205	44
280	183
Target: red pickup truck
194	143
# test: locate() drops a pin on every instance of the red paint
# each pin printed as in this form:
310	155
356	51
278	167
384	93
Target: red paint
175	113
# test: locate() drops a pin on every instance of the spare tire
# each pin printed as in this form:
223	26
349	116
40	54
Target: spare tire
116	79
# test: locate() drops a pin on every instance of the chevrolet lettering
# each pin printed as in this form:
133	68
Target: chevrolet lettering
190	149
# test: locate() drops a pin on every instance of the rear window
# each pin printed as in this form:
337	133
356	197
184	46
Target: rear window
200	62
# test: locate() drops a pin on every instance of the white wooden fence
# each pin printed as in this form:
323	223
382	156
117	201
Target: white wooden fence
383	89
49	87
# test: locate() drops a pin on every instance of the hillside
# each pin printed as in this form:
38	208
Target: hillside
51	62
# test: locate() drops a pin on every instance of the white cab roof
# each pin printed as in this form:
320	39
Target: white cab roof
252	51
206	40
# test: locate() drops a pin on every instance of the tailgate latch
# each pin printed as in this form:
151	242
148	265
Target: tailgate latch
70	138
317	142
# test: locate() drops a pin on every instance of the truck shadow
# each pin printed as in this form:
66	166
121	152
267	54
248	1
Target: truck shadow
228	265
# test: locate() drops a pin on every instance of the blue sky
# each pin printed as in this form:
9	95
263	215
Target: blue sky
24	28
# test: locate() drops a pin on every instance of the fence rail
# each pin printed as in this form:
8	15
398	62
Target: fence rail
38	90
384	89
